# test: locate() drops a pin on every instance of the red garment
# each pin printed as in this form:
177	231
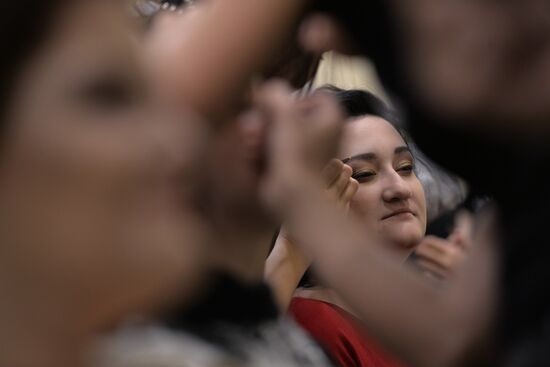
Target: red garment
337	331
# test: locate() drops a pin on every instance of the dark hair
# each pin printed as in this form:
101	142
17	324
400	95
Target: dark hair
373	28
357	103
295	65
24	27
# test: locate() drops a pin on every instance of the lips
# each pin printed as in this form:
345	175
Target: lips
398	212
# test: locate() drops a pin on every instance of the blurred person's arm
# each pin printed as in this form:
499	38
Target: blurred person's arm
287	263
284	268
425	326
208	56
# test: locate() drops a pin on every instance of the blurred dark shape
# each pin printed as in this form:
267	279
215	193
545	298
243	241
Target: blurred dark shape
296	66
174	2
369	24
360	102
30	19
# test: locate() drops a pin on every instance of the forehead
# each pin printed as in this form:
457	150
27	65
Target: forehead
369	134
86	38
93	28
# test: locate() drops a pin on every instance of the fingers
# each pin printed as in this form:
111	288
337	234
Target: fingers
343	187
327	109
274	99
432	269
433	246
463	232
439	256
320	112
342	182
303	135
350	191
332	172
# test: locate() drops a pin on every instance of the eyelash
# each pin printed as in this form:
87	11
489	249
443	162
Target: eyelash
363	176
110	94
407	168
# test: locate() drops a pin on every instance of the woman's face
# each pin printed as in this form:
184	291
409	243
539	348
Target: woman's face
390	200
94	203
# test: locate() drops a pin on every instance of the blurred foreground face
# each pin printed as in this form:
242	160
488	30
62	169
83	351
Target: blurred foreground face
92	198
390	200
475	60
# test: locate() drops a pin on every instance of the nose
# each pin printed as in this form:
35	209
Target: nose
176	144
395	188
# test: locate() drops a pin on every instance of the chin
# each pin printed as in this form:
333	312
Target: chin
407	238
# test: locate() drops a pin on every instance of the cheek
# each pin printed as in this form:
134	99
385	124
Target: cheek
84	191
92	219
420	200
365	204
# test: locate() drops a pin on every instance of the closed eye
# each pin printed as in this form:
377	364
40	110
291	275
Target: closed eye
406	169
110	92
363	176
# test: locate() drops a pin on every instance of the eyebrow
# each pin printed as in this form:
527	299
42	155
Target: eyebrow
402	149
372	156
360	157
